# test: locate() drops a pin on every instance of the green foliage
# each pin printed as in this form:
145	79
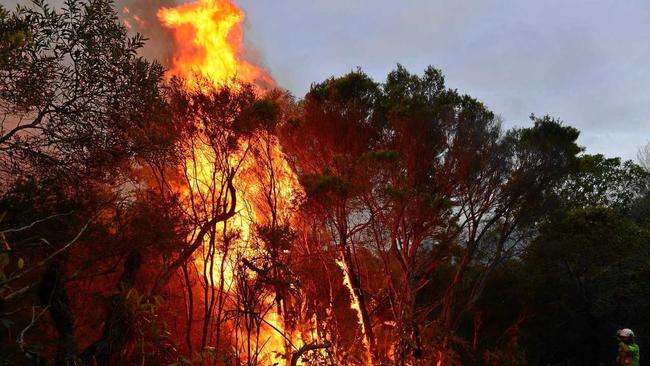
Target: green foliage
260	114
13	37
549	146
317	185
152	341
583	232
80	89
408	92
549	135
276	238
586	267
4	262
383	156
9	261
355	89
600	181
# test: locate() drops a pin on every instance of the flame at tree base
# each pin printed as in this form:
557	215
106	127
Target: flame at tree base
208	50
356	307
208	56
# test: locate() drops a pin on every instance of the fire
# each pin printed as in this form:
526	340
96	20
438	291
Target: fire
250	210
354	306
209	43
208	39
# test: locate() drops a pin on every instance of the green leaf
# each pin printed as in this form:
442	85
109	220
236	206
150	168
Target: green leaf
21	263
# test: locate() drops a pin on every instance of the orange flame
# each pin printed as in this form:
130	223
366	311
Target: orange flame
354	306
209	43
208	39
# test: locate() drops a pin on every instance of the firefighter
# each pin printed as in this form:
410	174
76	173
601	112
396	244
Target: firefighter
628	350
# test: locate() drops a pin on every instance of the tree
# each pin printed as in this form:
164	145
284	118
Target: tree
599	181
417	184
78	105
335	131
643	156
585	264
586	271
410	204
74	95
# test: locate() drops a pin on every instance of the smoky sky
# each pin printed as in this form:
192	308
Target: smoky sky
582	61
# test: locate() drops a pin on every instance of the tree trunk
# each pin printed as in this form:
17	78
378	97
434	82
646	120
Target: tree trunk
119	319
52	293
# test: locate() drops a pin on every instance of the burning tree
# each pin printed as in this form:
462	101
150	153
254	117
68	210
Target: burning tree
419	181
78	106
249	302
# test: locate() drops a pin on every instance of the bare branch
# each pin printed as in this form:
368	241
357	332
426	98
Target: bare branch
27	227
21	337
198	240
48	258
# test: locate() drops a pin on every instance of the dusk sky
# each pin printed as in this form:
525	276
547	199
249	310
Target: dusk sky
583	61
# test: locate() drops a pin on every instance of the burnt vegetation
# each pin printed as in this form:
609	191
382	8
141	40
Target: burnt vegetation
419	231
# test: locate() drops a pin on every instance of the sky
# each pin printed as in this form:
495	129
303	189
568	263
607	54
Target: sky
585	62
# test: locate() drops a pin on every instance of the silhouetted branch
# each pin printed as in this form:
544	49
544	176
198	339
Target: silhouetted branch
306	348
27	227
48	258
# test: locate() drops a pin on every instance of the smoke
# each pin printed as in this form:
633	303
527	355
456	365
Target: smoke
140	17
254	54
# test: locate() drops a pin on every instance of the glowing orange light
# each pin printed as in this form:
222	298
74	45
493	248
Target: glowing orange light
209	43
208	47
355	306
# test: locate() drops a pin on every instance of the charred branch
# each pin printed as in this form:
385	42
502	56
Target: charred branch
295	357
200	237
